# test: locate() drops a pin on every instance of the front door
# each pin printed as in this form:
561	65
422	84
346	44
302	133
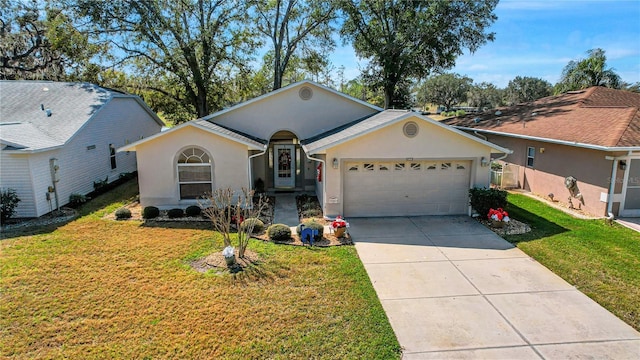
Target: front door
285	172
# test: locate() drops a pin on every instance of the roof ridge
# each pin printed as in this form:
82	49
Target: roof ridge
631	127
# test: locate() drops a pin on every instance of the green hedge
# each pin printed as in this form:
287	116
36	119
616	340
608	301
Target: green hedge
279	232
483	199
150	212
123	213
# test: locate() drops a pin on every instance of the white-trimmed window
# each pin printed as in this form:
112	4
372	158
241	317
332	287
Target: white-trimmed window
194	173
531	154
112	156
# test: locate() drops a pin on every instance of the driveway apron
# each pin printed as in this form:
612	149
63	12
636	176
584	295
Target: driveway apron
451	288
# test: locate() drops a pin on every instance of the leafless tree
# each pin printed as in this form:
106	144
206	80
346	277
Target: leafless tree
227	211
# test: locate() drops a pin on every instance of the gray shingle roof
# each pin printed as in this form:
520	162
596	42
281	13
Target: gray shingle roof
25	125
230	133
368	124
357	128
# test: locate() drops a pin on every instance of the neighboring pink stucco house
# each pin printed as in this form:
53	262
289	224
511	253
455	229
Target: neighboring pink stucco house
592	135
359	159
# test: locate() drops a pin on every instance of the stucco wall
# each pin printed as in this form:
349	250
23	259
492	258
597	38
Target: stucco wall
553	164
431	142
157	171
287	111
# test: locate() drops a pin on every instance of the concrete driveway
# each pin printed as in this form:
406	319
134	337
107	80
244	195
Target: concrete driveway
453	289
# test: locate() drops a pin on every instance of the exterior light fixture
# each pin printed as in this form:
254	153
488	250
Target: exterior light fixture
484	162
622	165
335	163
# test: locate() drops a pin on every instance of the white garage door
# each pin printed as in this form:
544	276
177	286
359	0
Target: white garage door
396	188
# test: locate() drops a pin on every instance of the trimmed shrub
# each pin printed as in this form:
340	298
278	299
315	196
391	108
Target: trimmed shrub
9	200
99	185
123	213
175	213
193	210
461	113
483	199
279	232
258	225
150	212
313	225
76	199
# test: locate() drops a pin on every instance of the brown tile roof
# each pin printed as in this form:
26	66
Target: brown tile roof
596	116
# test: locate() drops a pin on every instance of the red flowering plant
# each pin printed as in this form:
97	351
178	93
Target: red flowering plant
498	215
338	223
237	219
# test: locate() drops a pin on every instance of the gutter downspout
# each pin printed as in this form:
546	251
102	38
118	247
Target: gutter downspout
501	157
249	160
324	181
483	137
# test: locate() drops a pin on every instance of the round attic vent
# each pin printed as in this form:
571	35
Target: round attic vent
305	93
410	129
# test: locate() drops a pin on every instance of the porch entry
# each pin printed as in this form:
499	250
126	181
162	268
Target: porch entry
631	189
284	175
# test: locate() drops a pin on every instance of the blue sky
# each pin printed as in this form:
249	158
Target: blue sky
538	38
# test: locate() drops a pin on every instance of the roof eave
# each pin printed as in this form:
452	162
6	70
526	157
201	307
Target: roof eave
553	141
32	151
497	148
250	145
343	140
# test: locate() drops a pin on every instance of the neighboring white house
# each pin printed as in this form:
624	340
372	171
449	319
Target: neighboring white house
360	160
57	138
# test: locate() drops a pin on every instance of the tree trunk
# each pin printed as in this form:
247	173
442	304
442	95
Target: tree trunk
389	95
202	107
277	72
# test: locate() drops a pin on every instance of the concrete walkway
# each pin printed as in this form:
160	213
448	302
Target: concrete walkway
286	210
631	223
453	289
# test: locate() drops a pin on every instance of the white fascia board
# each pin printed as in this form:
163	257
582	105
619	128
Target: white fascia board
498	149
553	141
132	146
33	151
364	132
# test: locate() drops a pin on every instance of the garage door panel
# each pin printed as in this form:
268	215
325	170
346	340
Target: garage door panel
406	188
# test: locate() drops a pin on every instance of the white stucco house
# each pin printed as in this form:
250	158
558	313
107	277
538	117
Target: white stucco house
359	159
57	138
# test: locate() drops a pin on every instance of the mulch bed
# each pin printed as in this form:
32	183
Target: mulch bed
513	227
136	214
217	262
326	241
57	216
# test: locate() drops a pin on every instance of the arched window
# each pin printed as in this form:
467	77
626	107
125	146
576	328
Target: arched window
194	173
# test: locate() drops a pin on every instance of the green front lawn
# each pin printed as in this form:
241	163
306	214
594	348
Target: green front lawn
601	260
97	288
